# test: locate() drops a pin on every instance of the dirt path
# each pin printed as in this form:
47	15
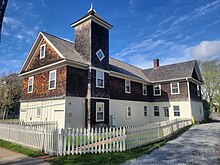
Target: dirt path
199	145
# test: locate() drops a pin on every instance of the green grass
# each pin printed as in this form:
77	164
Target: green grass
114	158
20	149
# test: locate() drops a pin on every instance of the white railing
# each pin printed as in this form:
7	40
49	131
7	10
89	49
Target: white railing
95	140
140	135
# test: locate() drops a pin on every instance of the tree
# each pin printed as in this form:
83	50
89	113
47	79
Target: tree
211	75
10	94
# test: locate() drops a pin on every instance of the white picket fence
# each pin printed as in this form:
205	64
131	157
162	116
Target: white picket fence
28	134
92	140
139	135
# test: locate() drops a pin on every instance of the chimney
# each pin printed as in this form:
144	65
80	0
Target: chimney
156	63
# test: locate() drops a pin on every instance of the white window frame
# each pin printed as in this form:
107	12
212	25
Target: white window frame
103	55
145	110
159	85
103	108
55	79
129	84
144	88
178	87
32	77
128	112
166	112
198	90
176	110
158	110
98	78
44	51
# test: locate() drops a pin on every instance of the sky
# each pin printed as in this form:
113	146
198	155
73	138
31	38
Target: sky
170	30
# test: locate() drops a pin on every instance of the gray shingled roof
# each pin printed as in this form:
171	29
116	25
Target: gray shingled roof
66	48
127	69
173	71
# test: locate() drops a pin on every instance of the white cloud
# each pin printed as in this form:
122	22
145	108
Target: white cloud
13	23
19	36
205	50
180	20
204	9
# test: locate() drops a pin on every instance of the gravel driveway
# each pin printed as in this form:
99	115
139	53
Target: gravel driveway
199	145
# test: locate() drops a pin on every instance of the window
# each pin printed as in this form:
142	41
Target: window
144	89
38	112
198	90
99	79
145	110
166	111
156	111
175	88
100	54
157	90
128	112
176	110
30	84
52	80
127	86
99	111
42	51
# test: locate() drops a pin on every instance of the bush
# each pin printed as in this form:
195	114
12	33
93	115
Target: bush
207	112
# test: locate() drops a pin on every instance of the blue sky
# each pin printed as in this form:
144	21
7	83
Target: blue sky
173	31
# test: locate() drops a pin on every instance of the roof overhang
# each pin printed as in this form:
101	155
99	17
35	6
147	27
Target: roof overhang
93	18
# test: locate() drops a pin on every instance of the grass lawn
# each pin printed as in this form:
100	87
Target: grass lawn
20	149
113	158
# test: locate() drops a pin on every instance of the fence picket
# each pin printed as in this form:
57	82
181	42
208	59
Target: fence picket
73	141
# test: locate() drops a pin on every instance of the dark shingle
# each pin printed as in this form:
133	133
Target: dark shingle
169	72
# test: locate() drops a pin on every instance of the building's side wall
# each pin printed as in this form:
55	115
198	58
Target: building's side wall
193	92
76	83
50	110
41	85
184	106
75	112
118	108
197	110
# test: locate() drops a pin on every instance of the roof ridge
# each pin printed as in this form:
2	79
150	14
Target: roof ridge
57	37
128	64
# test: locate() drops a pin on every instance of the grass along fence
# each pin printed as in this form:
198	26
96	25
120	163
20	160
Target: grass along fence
94	140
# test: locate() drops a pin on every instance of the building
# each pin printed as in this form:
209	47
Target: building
79	85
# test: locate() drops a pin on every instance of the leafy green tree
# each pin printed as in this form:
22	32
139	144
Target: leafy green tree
10	94
211	75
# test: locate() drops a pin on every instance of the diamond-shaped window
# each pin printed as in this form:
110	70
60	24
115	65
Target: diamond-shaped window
100	54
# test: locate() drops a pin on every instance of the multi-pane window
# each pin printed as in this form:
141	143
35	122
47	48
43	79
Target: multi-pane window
166	111
144	89
145	110
42	51
99	111
175	88
99	79
30	84
176	110
127	86
156	111
128	112
52	79
157	90
198	90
